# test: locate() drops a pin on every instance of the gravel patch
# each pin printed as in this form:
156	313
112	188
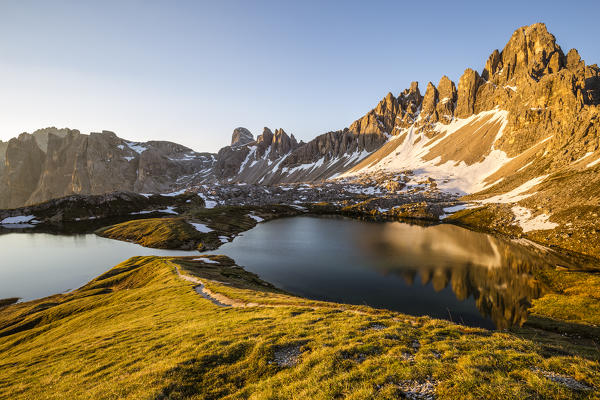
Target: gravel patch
565	380
375	326
415	390
287	356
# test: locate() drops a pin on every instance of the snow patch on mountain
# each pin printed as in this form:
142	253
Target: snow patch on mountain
21	219
518	193
137	147
529	223
593	163
256	218
451	210
200	227
455	176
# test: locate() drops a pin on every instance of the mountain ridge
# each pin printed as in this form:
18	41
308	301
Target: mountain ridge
532	111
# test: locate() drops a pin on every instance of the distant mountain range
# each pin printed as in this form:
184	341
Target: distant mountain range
526	127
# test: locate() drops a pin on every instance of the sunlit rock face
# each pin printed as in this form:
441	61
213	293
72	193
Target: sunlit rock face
499	274
530	112
52	163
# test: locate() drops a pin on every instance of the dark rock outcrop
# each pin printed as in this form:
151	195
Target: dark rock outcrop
241	136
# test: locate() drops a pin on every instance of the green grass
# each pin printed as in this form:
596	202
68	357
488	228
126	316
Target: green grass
140	332
575	297
160	233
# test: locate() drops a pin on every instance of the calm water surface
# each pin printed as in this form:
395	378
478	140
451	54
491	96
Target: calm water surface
34	265
443	271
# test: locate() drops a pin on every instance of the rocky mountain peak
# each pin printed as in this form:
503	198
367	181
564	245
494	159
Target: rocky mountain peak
468	84
531	50
430	100
411	98
413	90
265	137
282	143
409	102
380	120
389	104
447	95
574	61
491	65
241	136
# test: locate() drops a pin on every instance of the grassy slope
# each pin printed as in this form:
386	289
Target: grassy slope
161	233
139	331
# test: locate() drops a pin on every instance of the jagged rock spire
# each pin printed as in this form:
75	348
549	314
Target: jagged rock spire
241	136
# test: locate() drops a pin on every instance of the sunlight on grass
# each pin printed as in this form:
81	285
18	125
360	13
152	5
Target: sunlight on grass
139	331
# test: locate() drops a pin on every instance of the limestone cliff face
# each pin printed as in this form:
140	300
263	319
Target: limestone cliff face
430	101
390	114
467	90
547	93
331	145
447	95
252	158
530	74
380	120
278	157
529	122
3	147
52	163
23	165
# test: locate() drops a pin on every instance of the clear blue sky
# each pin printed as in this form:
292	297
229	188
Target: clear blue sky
192	71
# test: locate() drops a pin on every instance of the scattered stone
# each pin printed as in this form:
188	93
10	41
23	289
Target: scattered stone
375	326
287	356
415	390
356	357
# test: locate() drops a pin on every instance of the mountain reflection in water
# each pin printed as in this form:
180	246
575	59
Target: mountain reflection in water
443	271
496	272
